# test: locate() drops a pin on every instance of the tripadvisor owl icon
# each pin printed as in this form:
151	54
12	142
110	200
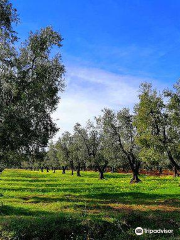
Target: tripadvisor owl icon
139	231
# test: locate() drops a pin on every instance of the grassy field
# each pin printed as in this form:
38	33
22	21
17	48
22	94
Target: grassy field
35	205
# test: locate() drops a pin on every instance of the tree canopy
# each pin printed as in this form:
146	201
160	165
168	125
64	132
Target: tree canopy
30	81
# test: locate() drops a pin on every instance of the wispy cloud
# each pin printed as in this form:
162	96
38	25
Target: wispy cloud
89	90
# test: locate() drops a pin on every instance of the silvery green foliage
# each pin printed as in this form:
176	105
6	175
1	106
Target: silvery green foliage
92	137
30	81
63	147
158	125
119	130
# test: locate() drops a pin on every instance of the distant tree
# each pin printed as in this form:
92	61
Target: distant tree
65	144
61	155
152	159
111	152
78	153
42	164
119	129
92	137
52	157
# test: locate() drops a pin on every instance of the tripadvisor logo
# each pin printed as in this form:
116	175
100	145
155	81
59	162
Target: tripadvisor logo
140	231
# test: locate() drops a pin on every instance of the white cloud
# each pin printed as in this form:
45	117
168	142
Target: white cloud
89	90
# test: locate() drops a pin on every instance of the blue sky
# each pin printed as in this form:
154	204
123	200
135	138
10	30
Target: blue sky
109	48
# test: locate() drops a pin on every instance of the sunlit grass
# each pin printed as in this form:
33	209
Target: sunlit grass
86	203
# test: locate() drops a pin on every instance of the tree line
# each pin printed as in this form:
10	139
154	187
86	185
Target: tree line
147	136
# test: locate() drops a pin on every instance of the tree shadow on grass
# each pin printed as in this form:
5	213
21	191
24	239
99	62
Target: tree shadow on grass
129	198
45	189
7	210
25	224
138	198
24	180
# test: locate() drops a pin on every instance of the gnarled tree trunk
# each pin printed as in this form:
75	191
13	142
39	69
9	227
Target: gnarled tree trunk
135	178
171	159
102	170
160	170
72	167
78	170
101	175
135	169
63	170
176	174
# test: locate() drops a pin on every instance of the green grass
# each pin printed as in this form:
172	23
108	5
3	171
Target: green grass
35	205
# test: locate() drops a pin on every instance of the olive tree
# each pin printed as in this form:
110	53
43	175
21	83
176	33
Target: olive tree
78	153
119	129
92	137
157	122
52	156
29	94
65	149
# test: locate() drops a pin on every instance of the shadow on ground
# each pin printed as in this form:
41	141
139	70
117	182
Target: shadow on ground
26	224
